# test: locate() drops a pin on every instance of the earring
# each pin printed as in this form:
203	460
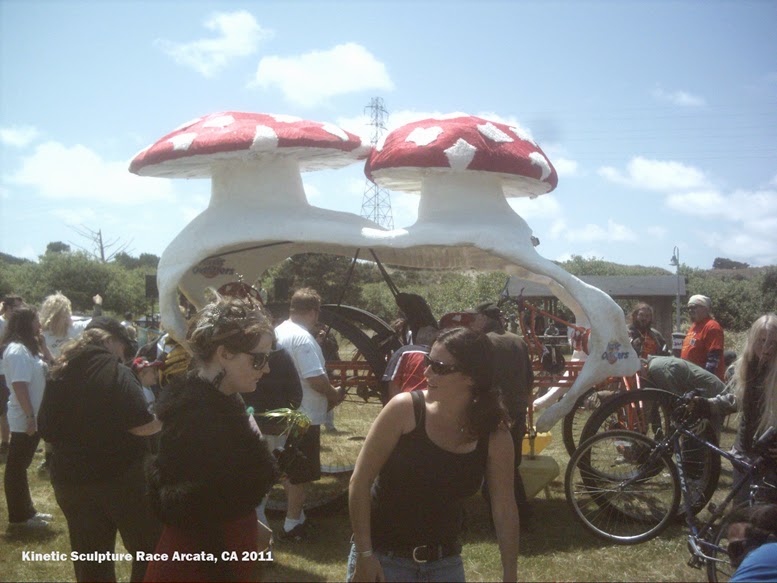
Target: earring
217	380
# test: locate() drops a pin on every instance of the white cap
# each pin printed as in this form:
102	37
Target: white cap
700	300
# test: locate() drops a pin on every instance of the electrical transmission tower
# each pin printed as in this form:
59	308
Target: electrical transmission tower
376	202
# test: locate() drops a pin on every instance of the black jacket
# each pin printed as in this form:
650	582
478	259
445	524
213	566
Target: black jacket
211	466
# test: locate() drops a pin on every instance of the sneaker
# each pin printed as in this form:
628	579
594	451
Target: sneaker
44	516
296	534
33	523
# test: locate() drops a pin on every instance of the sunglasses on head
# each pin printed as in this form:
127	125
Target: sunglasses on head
259	359
438	367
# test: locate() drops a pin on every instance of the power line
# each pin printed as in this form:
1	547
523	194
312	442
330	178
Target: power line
376	201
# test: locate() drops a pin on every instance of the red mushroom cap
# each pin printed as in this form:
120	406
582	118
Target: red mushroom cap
189	150
457	144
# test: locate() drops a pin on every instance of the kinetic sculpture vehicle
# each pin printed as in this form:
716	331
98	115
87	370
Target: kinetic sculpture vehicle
462	166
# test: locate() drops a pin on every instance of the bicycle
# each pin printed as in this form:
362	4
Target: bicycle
625	488
648	411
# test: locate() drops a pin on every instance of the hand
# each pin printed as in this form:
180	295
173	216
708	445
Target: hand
368	569
700	407
32	426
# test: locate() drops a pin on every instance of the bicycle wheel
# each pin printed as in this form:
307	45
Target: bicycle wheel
648	411
587	403
619	489
720	567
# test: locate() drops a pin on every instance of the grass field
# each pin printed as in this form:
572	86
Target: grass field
554	547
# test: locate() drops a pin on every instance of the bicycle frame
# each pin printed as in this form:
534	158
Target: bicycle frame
699	532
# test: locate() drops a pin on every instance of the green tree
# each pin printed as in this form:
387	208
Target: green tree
57	247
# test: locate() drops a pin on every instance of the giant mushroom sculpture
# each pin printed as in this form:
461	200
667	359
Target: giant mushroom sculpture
254	161
464	167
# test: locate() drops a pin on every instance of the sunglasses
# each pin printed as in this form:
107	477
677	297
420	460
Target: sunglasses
440	368
259	359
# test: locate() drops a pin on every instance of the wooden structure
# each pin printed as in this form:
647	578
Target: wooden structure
657	290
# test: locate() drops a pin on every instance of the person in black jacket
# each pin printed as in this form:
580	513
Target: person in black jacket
95	416
213	469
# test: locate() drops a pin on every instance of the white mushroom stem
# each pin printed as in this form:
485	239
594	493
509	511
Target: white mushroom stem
274	182
474	195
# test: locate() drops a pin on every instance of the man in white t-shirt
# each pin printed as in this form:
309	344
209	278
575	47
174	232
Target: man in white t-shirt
318	396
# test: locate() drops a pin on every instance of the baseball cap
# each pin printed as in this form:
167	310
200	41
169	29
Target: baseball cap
700	300
113	327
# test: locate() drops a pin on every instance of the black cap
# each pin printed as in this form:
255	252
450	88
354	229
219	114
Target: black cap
111	326
488	309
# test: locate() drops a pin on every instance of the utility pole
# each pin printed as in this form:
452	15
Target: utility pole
376	202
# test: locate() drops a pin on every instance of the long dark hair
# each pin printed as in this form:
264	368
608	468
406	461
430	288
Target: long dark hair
19	329
474	356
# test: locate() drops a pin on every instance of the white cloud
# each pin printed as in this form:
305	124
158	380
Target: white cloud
18	136
773	181
749	228
73	216
612	233
679	98
656	231
314	77
60	172
238	35
565	166
545	206
660	175
700	203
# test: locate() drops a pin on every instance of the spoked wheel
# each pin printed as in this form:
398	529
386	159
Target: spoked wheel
720	567
575	420
648	411
363	347
619	489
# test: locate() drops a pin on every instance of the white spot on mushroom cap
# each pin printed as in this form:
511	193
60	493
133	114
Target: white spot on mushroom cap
265	138
335	131
279	117
182	141
525	135
424	136
221	121
460	154
189	123
493	133
539	160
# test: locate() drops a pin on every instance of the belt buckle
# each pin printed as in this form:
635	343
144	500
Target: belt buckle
416	559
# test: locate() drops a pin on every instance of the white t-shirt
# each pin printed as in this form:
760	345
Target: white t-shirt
22	367
54	343
309	361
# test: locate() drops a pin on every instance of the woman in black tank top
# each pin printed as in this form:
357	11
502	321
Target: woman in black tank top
426	452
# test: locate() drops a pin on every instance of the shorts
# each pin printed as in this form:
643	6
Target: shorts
5	394
307	469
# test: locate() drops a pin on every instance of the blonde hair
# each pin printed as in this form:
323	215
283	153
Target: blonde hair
749	370
55	314
72	348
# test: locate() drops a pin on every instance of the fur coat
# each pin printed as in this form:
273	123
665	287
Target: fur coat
211	467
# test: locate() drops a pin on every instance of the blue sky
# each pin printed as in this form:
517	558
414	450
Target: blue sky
660	117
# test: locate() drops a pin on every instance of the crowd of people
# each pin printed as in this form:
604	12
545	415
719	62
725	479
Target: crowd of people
187	468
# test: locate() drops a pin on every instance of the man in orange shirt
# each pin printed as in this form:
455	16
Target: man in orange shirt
703	344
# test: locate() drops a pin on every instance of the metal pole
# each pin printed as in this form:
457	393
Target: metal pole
676	258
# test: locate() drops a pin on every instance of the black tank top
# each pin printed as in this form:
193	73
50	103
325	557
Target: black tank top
417	497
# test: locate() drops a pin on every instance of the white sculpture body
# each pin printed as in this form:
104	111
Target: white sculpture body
259	215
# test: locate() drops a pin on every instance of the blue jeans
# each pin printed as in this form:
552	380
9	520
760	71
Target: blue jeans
401	569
